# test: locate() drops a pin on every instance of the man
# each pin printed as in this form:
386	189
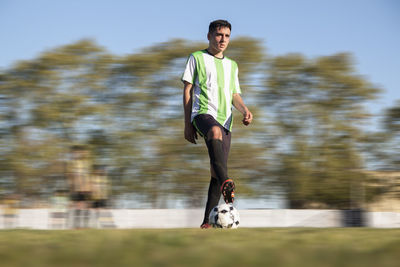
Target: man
101	188
78	173
211	87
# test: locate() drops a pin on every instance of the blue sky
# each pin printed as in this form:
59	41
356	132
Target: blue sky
369	29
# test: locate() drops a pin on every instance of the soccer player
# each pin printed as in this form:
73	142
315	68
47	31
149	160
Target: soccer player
211	87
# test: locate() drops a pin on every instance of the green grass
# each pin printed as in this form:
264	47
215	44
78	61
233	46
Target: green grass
195	247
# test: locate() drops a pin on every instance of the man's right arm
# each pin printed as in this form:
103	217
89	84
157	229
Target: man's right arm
190	131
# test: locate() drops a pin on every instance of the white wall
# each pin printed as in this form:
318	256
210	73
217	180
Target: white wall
191	218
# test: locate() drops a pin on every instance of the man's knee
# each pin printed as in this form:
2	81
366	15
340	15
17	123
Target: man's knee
214	133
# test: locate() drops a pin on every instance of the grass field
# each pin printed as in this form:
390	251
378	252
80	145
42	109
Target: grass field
215	247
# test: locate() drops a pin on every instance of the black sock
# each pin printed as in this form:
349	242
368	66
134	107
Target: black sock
214	195
216	153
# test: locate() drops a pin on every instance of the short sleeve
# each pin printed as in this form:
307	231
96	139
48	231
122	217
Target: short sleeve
189	75
236	89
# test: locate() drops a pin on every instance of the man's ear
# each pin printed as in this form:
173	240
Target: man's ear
208	36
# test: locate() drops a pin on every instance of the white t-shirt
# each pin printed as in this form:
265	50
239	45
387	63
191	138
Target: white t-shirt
215	81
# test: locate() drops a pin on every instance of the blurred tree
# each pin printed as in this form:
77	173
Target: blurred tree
128	109
47	101
392	119
318	108
383	153
306	137
388	140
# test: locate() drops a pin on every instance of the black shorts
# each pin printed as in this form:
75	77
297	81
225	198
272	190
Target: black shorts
204	122
80	196
100	203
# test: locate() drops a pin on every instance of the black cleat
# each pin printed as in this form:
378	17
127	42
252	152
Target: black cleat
228	191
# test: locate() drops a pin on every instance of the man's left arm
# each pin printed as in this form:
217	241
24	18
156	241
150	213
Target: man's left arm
241	107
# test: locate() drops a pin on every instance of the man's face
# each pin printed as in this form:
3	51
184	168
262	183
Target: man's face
219	39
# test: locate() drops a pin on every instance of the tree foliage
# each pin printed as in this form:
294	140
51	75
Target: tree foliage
317	108
304	143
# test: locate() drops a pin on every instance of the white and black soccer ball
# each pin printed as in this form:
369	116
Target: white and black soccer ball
224	216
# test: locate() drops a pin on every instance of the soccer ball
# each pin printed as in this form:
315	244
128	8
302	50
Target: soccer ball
224	216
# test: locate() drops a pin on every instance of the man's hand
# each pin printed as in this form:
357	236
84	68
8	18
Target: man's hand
247	117
241	107
190	133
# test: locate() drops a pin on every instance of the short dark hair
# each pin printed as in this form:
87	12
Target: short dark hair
216	24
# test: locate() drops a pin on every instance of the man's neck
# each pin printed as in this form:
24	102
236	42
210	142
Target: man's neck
216	54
